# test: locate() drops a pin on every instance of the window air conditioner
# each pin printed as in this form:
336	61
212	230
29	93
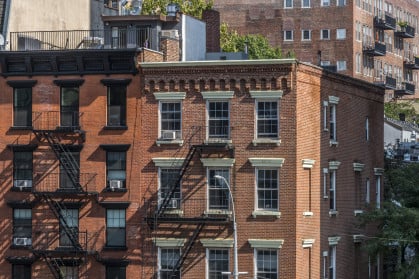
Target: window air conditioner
172	203
22	183
115	184
168	135
22	241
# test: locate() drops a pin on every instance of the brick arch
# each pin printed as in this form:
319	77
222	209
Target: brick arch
253	84
284	84
172	85
222	84
162	85
263	84
202	85
232	84
152	86
211	84
182	86
274	84
243	85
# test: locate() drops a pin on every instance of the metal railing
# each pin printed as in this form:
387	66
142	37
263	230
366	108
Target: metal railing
81	39
55	182
53	120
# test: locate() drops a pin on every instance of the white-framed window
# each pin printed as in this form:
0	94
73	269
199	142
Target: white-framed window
306	35
267	118
358	31
325	3
332	262
325	190
340	34
340	3
377	191
170	120
358	62
332	190
218	119
325	108
332	122
217	263
218	192
367	129
266	263
325	272
168	257
367	191
288	35
167	181
267	185
288	4
305	3
341	65
325	34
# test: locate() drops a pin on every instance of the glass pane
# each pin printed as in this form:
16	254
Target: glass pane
115	272
22	107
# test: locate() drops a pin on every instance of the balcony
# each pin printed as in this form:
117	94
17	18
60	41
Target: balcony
405	31
412	63
81	39
405	88
387	22
387	82
374	49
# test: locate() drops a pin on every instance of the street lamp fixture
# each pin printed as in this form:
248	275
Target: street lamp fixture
235	272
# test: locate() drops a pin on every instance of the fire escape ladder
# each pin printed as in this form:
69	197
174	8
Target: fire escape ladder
173	187
57	208
67	161
188	247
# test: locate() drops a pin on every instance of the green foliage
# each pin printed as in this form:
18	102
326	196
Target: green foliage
393	109
190	7
258	46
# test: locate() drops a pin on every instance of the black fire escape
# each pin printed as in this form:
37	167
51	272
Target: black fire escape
161	212
62	192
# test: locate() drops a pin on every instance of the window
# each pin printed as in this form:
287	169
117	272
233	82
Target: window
367	191
332	190
218	193
288	3
218	120
267	189
325	109
22	227
332	262
167	262
171	119
69	272
70	170
267	263
341	65
115	228
367	129
341	34
325	34
358	62
21	271
22	169
218	262
168	179
377	191
305	3
288	35
306	35
119	37
340	2
116	169
69	227
325	3
325	190
117	102
332	122
267	119
69	107
22	107
115	272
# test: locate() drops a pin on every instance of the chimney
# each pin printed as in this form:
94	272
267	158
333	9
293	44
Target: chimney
212	21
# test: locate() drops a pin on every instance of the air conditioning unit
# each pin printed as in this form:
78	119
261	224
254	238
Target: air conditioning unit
174	34
173	203
168	135
115	184
22	241
22	183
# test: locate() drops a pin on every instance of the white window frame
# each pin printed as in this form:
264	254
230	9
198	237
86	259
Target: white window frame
325	3
332	190
332	122
341	65
378	191
159	267
257	101
325	190
322	37
288	4
367	128
303	33
367	191
220	136
178	198
177	131
325	111
207	252
291	32
340	34
304	6
325	267
272	189
340	4
255	262
332	262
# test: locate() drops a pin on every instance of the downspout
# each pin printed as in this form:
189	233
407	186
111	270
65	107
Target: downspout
8	4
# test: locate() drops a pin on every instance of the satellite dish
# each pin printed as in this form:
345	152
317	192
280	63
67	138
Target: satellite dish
1	40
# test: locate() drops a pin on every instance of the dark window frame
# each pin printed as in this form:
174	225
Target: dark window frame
21	271
22	168
120	230
22	227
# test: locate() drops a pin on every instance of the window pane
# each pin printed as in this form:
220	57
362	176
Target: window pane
168	260
267	264
22	223
115	272
115	227
70	106
22	107
267	189
22	165
267	119
170	116
218	190
218	114
116	105
217	263
168	178
21	271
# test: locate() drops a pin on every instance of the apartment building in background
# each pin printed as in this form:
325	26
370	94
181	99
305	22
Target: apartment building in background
373	40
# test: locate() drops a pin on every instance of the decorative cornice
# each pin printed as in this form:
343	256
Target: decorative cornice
308	163
168	162
333	100
266	243
217	243
334	240
217	162
266	94
358	166
267	162
308	242
378	171
169	242
169	95
334	165
217	94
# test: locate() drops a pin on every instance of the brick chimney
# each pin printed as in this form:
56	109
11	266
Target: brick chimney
170	48
212	20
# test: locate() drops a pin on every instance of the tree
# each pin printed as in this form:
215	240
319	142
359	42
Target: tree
258	46
397	221
190	7
393	110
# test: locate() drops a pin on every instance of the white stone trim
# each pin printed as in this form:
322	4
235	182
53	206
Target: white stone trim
308	242
217	243
378	171
169	95
308	213
217	94
333	100
266	243
168	162
358	212
217	162
308	163
259	141
267	162
334	165
257	213
333	143
333	240
169	242
358	238
265	94
169	142
358	166
333	212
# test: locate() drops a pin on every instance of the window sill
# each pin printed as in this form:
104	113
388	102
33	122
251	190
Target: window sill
308	214
21	189
115	128
115	190
333	213
17	128
171	211
333	143
169	142
225	141
115	248
257	213
218	212
20	247
358	212
277	142
325	197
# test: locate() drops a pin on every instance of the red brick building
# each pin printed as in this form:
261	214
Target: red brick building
375	40
112	169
